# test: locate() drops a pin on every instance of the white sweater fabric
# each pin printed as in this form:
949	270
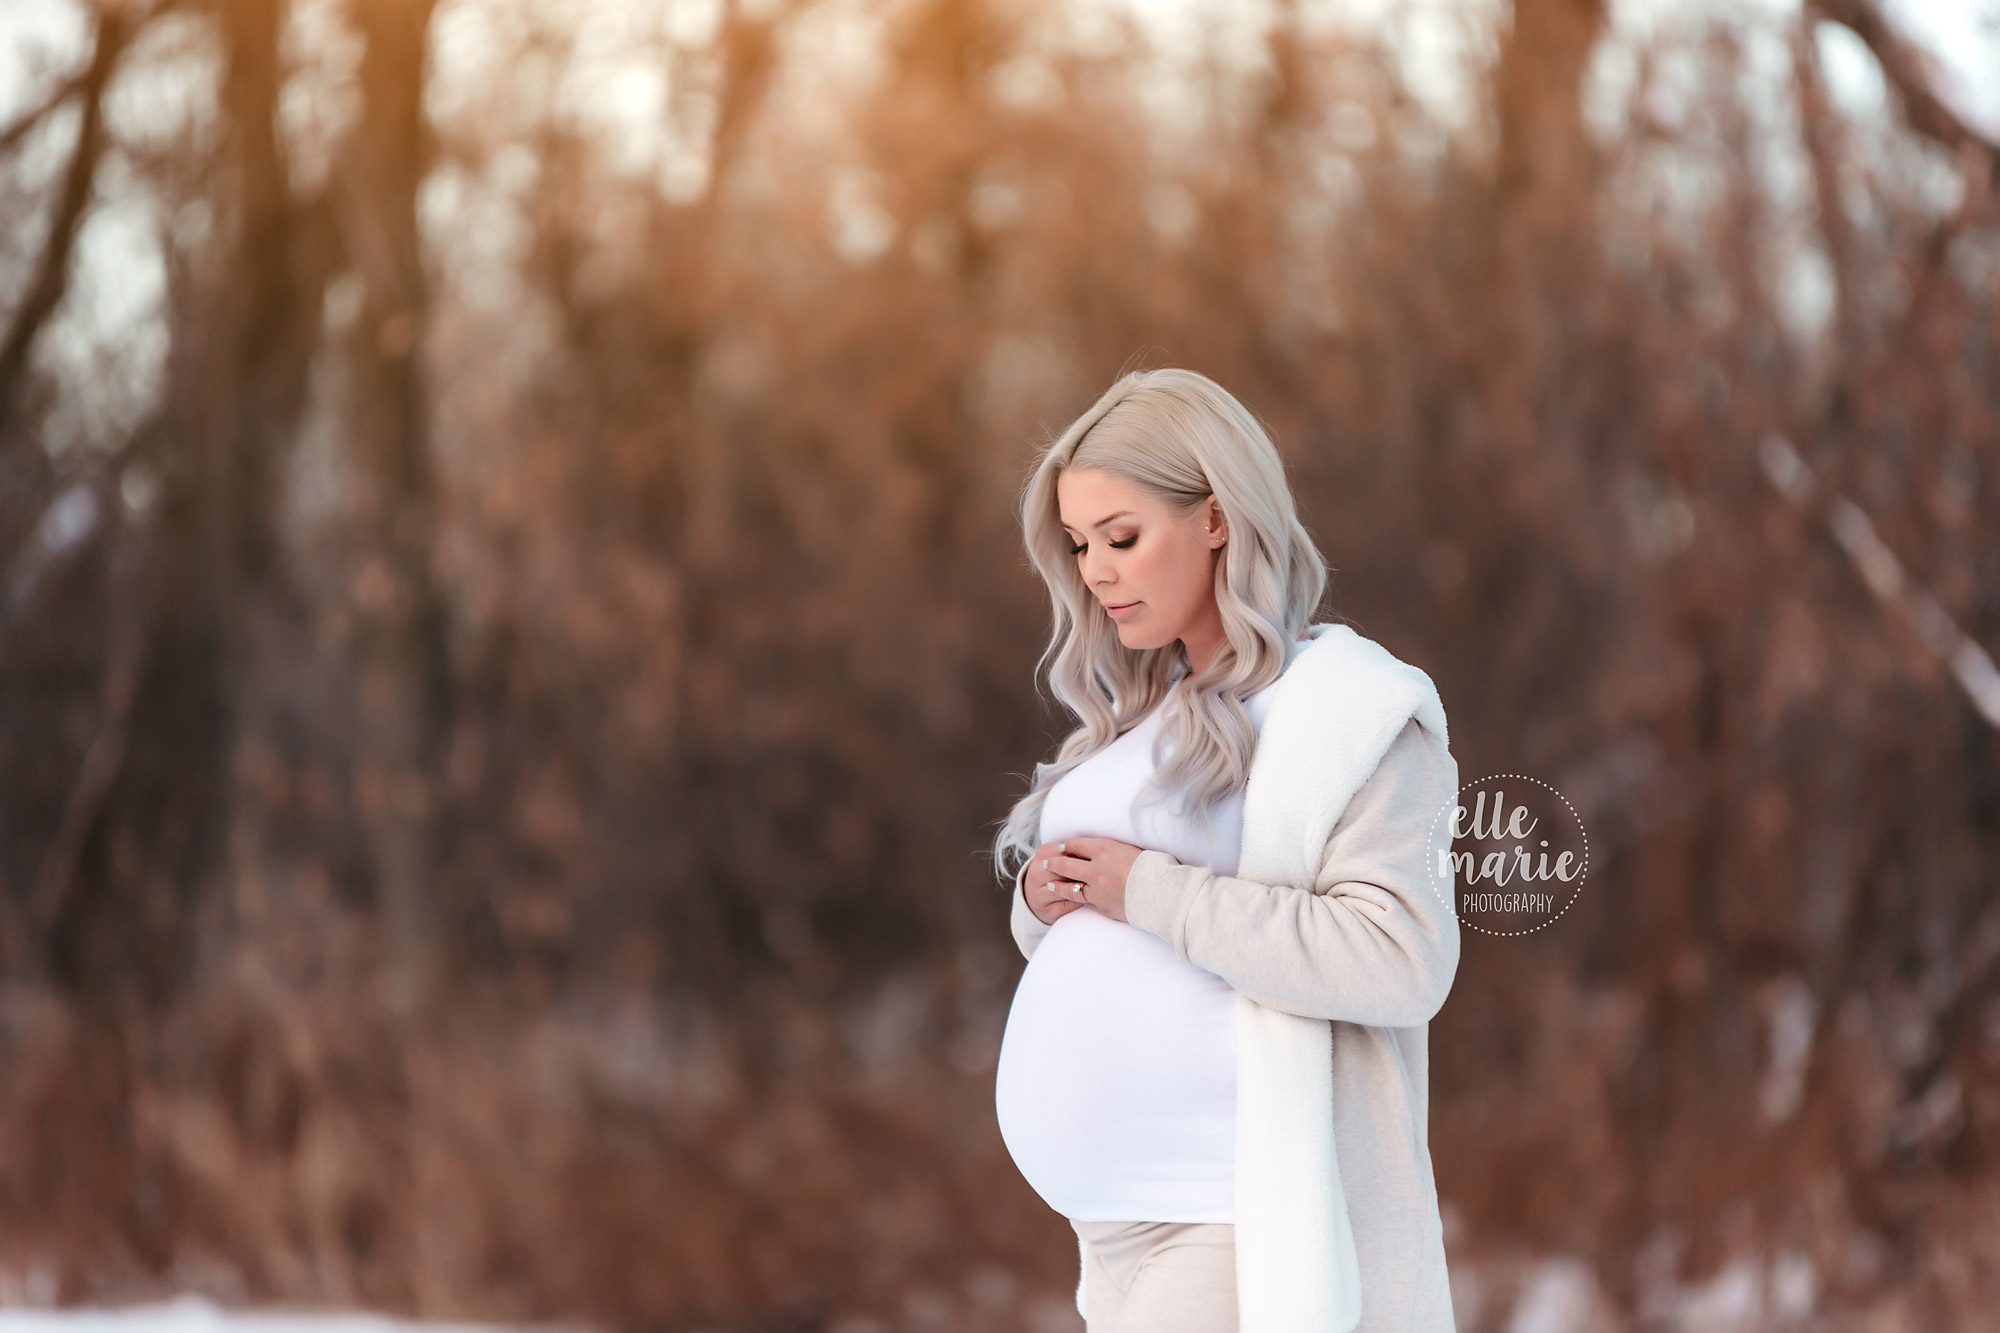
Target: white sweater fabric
1340	948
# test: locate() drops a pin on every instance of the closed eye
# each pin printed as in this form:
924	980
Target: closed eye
1116	546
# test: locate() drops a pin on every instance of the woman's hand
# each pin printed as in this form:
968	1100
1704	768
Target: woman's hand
1050	896
1079	872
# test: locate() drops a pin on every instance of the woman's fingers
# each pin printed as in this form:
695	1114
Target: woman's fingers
1069	867
1045	858
1052	880
1062	874
1063	886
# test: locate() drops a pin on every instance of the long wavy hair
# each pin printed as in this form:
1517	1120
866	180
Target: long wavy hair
1178	436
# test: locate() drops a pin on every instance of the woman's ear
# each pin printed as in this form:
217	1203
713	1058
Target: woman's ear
1216	527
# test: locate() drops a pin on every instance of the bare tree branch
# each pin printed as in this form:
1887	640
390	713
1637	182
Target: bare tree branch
1908	70
749	58
35	115
21	932
1822	133
51	280
101	765
1970	664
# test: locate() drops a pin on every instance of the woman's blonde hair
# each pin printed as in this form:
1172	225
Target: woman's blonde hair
1180	437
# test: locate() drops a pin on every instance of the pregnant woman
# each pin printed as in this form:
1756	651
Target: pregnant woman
1215	1065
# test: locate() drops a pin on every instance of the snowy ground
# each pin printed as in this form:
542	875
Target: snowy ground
192	1314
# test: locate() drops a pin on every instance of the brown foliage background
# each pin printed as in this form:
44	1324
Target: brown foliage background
500	741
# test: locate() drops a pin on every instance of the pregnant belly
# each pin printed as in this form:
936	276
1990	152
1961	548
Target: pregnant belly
1116	1085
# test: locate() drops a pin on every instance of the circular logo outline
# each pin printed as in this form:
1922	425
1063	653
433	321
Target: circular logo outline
1430	868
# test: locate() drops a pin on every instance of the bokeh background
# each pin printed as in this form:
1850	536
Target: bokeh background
514	636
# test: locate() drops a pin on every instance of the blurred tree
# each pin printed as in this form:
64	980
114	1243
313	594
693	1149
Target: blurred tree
403	685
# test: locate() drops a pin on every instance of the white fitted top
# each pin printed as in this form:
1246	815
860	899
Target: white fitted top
1116	1086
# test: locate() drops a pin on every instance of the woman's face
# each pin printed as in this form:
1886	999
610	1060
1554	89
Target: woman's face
1152	571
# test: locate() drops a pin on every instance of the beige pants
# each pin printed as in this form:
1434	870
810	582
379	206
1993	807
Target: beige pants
1158	1277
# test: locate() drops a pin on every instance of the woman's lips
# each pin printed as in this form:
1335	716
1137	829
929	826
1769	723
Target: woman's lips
1118	609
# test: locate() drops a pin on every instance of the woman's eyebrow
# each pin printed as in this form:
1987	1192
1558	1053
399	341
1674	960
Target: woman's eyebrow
1123	513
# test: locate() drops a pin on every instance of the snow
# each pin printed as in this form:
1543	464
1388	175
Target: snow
193	1314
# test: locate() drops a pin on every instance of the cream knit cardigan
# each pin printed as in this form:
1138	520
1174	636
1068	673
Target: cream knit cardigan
1340	950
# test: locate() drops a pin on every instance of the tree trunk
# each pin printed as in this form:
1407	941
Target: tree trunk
403	684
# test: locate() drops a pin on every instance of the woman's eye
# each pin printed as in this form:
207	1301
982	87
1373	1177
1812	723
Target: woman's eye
1078	550
1126	543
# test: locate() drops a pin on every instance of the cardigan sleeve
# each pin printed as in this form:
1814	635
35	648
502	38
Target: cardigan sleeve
1027	927
1373	942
